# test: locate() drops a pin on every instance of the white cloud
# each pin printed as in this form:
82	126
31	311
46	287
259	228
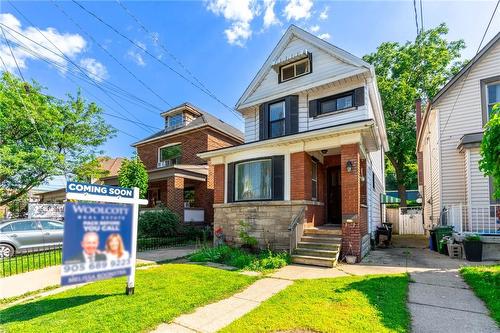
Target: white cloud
136	54
240	13
95	69
324	13
314	28
298	9
325	35
269	14
70	44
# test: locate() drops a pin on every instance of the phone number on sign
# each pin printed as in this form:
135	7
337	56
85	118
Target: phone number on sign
94	266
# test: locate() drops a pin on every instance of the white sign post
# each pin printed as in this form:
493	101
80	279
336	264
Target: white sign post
112	194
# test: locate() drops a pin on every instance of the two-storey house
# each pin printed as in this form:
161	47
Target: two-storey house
178	178
455	191
310	173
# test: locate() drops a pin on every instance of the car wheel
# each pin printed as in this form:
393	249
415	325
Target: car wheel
6	251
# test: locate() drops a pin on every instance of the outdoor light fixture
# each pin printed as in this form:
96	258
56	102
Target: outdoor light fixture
324	151
348	166
419	198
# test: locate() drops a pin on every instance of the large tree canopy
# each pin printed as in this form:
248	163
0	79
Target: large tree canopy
41	136
133	173
405	72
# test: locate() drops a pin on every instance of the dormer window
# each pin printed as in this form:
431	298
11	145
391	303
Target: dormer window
174	121
295	69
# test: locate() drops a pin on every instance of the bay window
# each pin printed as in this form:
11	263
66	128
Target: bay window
253	180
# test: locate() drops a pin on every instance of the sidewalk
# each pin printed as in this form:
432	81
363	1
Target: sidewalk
23	283
440	301
213	317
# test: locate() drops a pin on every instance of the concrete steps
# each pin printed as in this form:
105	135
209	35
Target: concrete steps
318	247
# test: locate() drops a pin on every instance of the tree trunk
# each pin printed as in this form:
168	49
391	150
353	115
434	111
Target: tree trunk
402	194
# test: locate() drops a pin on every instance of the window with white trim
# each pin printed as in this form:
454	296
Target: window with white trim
170	155
295	69
174	121
253	180
314	182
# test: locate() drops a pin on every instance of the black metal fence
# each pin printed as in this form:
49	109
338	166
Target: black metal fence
30	260
155	243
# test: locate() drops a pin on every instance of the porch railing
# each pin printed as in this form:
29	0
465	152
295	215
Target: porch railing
296	229
477	219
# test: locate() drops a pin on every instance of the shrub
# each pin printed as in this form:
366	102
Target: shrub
265	260
248	241
159	223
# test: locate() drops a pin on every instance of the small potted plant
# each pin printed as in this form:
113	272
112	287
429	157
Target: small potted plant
473	247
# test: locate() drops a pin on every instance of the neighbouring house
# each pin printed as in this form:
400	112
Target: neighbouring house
455	191
312	165
178	178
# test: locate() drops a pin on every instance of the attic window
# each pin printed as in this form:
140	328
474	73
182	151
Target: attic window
295	69
174	121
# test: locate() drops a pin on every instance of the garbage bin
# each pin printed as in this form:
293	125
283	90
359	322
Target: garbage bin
443	245
432	240
439	233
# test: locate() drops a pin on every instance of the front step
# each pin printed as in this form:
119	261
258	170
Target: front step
318	247
316	253
315	261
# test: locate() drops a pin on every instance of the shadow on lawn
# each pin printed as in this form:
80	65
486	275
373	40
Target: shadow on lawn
27	311
387	294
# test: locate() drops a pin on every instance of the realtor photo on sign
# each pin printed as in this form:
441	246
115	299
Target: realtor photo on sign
97	242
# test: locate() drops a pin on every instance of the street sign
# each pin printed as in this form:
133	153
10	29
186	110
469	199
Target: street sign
100	239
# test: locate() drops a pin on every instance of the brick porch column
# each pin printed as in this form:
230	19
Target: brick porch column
175	196
351	233
219	174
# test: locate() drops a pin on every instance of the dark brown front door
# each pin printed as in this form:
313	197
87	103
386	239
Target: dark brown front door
334	195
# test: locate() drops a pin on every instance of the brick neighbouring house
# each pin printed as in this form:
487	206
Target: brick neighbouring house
313	154
178	178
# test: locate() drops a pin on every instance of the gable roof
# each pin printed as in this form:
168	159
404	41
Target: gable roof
294	31
205	119
466	68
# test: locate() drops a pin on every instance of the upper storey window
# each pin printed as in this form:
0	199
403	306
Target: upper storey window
295	69
493	95
174	121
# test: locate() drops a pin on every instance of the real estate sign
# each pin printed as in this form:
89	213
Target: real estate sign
97	242
100	233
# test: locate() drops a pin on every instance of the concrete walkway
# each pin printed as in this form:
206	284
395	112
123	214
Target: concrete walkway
20	284
213	317
440	301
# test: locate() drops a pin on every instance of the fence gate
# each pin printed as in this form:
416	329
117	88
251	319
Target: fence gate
410	221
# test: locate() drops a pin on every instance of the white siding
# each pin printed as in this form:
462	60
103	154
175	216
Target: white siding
375	165
251	116
478	185
465	118
325	66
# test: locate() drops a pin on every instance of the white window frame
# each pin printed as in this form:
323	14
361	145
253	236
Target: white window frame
181	124
314	180
159	161
235	181
494	83
294	65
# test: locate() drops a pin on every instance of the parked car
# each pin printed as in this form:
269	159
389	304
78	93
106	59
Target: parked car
17	236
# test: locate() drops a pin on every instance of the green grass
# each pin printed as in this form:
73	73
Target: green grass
29	262
263	261
485	281
375	303
5	301
161	294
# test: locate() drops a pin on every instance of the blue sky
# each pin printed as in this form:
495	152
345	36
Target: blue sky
222	43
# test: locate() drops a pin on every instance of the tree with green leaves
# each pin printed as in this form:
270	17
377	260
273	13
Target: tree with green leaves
42	136
90	171
133	173
405	72
490	150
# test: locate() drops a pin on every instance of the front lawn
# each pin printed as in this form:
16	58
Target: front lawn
161	294
375	303
485	281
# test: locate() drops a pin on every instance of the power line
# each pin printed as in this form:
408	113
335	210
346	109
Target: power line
109	54
28	50
416	15
154	57
76	65
469	70
421	17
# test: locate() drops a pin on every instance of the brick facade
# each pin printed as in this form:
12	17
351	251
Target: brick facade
171	190
219	179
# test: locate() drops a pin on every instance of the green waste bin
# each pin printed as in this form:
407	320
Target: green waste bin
440	232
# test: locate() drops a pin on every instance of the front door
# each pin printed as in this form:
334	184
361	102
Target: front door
334	195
